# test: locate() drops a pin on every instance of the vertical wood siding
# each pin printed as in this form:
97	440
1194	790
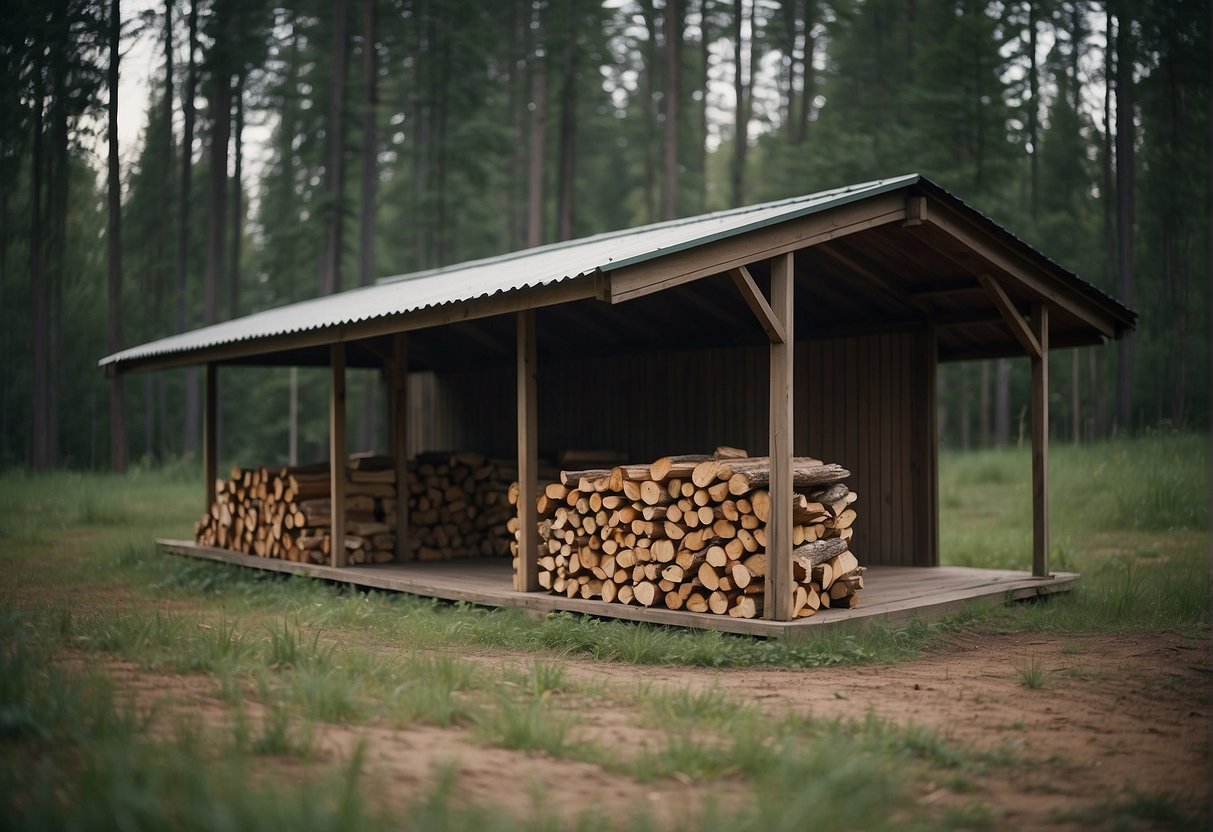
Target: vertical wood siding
862	402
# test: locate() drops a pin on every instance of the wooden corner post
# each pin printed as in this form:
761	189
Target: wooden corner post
400	439
337	454
924	449
210	434
778	603
1040	442
526	579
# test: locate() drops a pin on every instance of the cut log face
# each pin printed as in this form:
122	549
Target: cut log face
689	533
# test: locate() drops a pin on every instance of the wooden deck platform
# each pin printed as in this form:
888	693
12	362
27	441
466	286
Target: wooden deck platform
891	593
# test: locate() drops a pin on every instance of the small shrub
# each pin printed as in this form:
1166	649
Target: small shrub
1032	674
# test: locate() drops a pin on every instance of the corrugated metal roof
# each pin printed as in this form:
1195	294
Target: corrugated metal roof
504	273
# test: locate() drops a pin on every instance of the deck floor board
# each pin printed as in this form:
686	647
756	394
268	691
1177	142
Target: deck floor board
891	592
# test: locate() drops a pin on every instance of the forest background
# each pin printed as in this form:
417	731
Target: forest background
295	149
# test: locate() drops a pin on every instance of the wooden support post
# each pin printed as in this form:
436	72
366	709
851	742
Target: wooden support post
778	606
924	447
527	577
210	435
1040	443
399	434
337	453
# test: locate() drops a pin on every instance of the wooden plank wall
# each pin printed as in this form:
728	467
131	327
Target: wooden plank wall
855	404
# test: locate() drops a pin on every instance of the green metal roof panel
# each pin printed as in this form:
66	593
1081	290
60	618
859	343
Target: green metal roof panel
541	266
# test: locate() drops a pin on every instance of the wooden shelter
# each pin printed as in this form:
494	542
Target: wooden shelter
812	325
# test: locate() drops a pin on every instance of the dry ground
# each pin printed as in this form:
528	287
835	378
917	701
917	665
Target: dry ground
1113	716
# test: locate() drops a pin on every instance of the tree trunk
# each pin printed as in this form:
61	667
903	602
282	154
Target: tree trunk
57	177
220	102
421	146
193	403
566	190
1124	214
539	119
157	410
672	98
370	144
113	239
5	343
370	180
289	129
650	83
704	82
292	454
807	74
237	200
1075	399
440	111
515	206
1033	114
740	112
40	452
1002	404
983	415
330	281
966	436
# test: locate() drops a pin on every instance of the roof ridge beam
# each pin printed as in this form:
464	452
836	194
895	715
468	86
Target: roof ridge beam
757	302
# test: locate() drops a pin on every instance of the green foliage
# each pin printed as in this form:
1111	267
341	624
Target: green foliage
531	725
889	88
1131	517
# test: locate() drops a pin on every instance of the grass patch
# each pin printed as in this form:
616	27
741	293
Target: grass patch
435	691
289	653
1031	674
1132	516
1143	569
1157	810
530	725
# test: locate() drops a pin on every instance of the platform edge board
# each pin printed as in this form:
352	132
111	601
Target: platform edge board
997	584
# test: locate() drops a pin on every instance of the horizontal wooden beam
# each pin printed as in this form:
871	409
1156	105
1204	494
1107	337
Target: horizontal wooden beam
957	320
1006	307
946	292
1011	349
579	288
754	299
676	268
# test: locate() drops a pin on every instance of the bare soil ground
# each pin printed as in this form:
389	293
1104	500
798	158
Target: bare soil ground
1116	716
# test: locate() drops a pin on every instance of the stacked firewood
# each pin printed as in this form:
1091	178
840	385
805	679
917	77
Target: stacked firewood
458	507
287	513
690	532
